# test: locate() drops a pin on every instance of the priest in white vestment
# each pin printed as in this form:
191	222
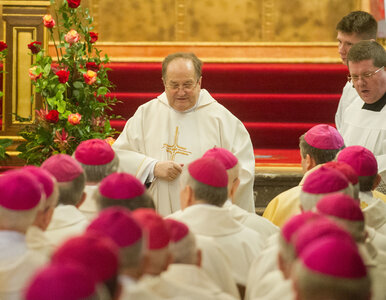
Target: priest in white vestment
178	127
363	121
352	28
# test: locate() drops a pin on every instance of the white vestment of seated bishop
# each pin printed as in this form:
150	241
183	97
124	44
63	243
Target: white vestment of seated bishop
67	221
349	94
37	240
273	286
252	220
182	281
18	264
89	207
374	210
157	132
240	243
365	128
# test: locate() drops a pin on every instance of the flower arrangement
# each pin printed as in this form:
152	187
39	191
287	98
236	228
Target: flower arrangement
74	89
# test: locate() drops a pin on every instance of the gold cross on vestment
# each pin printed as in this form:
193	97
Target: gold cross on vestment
175	148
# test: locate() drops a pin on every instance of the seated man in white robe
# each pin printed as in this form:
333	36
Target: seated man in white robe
352	28
178	127
122	189
21	196
185	269
67	281
261	225
346	212
98	254
119	224
318	145
35	236
98	160
203	193
365	164
363	121
67	220
331	268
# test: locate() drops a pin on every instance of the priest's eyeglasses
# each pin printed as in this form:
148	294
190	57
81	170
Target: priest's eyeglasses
364	76
187	86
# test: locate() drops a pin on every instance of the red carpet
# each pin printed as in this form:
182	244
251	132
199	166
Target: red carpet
276	102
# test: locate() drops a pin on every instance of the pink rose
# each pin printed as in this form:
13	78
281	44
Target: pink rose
72	37
90	77
48	21
32	73
74	119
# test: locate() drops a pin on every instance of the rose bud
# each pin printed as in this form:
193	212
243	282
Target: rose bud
73	3
3	46
92	66
35	47
63	76
48	21
74	119
52	116
72	37
93	37
90	77
32	73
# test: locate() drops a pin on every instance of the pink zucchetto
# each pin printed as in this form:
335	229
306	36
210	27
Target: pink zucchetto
324	180
345	169
296	222
118	224
334	257
360	159
121	186
44	177
97	253
227	158
317	229
61	282
94	152
63	167
340	206
155	229
324	137
19	190
209	171
177	230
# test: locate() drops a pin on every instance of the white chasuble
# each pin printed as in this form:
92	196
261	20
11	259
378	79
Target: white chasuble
366	128
157	132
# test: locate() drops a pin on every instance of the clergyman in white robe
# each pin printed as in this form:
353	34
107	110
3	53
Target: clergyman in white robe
157	132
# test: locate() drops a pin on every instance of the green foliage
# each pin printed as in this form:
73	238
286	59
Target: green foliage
4	143
52	132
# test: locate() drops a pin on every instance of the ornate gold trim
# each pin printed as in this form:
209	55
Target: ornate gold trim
268	20
12	137
25	3
180	9
222	44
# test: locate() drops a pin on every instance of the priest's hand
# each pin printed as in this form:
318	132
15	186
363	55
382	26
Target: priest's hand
167	170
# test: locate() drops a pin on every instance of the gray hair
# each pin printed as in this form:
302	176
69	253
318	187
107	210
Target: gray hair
70	193
17	220
197	63
185	250
95	173
209	194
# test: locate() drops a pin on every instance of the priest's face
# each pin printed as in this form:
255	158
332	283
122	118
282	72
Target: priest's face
182	86
345	41
368	80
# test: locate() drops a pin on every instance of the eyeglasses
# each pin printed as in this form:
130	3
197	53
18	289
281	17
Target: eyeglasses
187	86
365	76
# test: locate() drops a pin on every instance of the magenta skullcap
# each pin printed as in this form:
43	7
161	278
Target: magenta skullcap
118	224
324	137
345	169
44	177
319	228
157	233
97	253
340	206
361	159
324	180
177	230
227	158
334	257
63	167
121	186
61	282
209	171
19	190
293	224
94	152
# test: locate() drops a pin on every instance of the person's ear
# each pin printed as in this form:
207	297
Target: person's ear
84	195
310	162
199	258
235	186
377	181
